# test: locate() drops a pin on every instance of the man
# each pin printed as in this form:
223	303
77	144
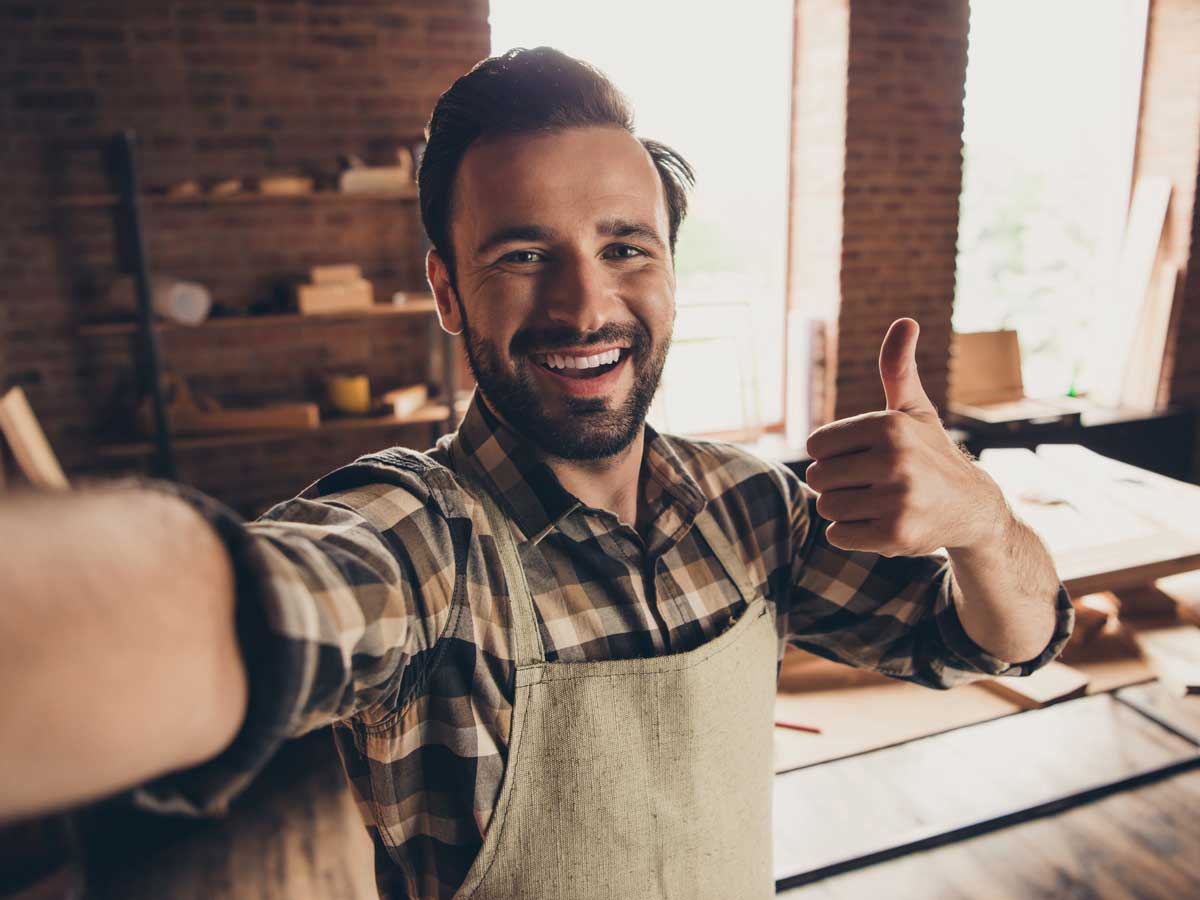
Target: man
549	645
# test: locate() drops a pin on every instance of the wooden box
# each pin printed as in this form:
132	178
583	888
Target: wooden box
334	297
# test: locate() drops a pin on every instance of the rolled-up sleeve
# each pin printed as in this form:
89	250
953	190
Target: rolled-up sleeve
894	615
340	595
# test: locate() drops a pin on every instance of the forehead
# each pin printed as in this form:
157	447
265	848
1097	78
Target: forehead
566	179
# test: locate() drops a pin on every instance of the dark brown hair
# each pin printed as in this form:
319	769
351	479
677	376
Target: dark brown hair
524	91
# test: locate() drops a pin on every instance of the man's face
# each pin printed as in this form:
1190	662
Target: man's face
565	284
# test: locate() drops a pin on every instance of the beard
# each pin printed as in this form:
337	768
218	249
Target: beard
588	429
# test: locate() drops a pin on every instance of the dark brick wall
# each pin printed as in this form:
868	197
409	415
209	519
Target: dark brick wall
213	90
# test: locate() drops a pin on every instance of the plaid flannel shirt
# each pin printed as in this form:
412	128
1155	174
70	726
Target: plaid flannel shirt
375	601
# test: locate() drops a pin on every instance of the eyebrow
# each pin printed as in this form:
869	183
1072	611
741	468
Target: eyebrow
618	228
621	228
514	233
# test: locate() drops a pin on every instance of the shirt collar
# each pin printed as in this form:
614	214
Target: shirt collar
529	492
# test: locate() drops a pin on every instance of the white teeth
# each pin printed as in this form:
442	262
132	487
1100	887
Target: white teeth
558	361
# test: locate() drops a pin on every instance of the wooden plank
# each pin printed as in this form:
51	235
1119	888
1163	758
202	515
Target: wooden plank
28	442
1173	653
1184	591
1098	521
1166	502
1135	268
1053	683
842	809
1179	713
875	715
1134	845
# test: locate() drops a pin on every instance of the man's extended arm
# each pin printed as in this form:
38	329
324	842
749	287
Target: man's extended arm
895	489
118	650
117	611
1005	588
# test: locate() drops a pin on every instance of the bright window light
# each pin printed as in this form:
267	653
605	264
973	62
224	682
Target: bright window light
716	87
1049	130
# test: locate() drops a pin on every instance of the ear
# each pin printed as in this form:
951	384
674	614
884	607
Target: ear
449	314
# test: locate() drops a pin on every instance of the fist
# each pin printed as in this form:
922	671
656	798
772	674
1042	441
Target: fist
893	482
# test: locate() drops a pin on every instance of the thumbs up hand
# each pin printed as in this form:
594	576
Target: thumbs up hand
893	482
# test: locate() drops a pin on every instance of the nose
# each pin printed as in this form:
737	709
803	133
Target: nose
578	295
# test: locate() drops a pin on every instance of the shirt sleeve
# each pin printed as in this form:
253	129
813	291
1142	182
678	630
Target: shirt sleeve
895	615
341	596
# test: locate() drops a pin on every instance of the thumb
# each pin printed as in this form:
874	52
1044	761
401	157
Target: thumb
898	369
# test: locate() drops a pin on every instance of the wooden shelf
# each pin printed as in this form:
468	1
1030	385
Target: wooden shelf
427	415
100	201
225	323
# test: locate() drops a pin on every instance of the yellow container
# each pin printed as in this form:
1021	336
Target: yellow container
349	394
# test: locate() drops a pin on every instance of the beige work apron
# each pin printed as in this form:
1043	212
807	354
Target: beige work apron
636	778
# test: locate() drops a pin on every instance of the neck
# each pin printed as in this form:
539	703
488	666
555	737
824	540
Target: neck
611	483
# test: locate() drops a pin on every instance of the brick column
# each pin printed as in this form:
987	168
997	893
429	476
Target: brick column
904	121
1169	145
878	105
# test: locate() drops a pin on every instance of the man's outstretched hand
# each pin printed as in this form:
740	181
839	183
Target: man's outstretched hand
893	482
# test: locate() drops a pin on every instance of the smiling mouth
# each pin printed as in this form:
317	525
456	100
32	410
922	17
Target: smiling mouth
581	366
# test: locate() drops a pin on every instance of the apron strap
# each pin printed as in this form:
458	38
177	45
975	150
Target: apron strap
726	555
527	639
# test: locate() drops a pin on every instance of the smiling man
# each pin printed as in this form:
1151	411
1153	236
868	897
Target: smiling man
549	646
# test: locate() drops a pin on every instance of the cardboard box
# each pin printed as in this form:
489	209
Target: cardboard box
341	296
986	385
406	401
334	274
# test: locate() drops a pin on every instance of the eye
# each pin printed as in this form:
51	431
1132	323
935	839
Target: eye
522	257
624	251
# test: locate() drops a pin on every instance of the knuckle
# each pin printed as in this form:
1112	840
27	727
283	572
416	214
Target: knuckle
895	468
814	476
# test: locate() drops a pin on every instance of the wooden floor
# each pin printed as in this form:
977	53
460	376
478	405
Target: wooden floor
296	835
1142	844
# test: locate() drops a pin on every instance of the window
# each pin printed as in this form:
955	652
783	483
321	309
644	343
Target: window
716	87
1050	121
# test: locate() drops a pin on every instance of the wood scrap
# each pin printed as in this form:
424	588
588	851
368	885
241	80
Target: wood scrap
1092	613
225	188
334	297
405	401
285	185
181	190
1184	590
1146	603
28	443
191	414
1133	282
1174	655
334	274
1053	683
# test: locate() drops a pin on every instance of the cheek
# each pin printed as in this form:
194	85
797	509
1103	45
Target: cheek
650	295
496	316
